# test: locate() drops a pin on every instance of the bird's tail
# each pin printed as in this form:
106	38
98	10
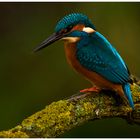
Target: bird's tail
128	94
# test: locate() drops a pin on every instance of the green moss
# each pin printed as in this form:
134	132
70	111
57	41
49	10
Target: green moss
57	117
136	92
55	114
14	133
61	116
84	108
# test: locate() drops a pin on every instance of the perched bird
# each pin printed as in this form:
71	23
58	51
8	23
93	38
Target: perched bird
92	55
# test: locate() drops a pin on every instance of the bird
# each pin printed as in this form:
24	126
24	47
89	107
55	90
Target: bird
89	53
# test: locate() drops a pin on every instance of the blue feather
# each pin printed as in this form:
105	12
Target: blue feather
114	51
96	54
128	94
72	20
105	59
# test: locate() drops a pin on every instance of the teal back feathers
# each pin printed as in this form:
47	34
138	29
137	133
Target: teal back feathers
95	53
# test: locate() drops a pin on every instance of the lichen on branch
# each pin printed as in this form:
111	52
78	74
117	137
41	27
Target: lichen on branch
63	115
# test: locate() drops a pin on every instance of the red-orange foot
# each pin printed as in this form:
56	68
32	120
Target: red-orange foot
92	89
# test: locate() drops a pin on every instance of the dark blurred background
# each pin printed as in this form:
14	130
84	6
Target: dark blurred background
29	81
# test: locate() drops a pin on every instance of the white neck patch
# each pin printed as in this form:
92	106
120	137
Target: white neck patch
88	30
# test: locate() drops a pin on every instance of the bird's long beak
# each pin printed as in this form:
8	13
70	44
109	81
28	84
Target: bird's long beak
54	37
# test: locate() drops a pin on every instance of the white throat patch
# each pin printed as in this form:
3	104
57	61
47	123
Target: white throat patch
71	39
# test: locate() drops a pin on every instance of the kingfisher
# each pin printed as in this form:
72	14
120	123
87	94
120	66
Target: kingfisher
92	55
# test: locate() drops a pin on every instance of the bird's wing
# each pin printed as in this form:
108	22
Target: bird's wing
98	55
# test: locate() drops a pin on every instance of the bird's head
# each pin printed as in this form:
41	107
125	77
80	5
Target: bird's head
67	29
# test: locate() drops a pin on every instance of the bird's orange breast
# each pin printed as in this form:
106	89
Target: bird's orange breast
93	77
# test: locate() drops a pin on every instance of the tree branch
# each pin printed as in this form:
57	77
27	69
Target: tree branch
63	115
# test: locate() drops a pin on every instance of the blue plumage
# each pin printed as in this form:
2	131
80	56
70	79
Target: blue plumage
102	58
127	91
96	54
73	19
93	51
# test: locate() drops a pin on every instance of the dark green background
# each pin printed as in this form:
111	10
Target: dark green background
29	81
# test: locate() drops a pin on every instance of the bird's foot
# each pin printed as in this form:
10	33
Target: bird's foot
92	89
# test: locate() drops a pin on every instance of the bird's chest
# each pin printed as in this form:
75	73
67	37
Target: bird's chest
70	51
71	55
93	77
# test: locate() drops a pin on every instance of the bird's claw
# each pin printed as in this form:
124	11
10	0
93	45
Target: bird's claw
92	89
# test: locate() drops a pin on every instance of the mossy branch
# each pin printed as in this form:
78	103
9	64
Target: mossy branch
63	115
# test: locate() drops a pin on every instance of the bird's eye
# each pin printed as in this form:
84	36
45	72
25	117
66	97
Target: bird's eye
69	28
66	30
63	31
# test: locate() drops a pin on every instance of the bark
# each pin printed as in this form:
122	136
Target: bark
61	116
